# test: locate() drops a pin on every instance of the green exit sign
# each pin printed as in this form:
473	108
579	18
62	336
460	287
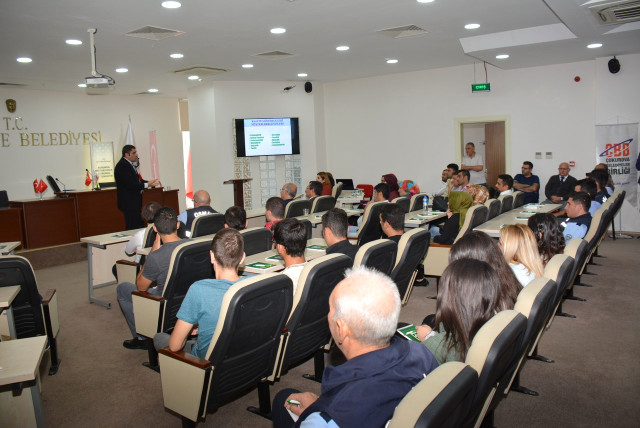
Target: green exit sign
480	87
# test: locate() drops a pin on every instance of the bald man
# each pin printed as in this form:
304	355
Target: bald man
380	370
288	193
559	186
201	206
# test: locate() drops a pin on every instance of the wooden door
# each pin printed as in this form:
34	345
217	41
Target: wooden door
494	151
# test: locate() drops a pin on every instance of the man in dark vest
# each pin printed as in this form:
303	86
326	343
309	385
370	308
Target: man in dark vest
201	206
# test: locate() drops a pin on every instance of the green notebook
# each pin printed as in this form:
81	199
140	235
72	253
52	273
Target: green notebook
409	332
260	265
317	247
275	257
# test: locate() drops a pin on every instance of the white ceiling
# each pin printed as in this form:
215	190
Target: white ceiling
226	34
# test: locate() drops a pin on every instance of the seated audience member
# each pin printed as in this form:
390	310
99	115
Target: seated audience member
290	237
235	218
451	171
459	203
201	306
408	188
521	252
527	183
559	186
392	221
601	178
313	190
505	184
327	186
201	206
578	221
493	193
588	185
380	194
392	181
610	187
334	231
462	180
478	193
380	370
273	212
442	190
153	274
548	235
288	192
480	246
468	291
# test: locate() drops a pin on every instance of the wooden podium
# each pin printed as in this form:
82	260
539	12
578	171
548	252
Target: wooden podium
238	191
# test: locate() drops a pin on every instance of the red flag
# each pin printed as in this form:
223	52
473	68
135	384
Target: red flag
87	180
42	186
35	185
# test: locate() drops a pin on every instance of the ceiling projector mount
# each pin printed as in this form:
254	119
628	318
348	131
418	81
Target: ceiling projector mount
97	84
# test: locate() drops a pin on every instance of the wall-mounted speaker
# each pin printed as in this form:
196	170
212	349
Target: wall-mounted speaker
614	65
308	87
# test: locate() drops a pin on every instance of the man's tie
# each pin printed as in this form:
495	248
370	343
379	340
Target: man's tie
561	179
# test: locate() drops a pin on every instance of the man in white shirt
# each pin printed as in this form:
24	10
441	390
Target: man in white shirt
505	184
290	237
474	163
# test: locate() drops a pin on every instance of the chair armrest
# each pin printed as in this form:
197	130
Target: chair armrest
127	263
48	295
433	244
147	312
186	380
147	295
127	271
50	313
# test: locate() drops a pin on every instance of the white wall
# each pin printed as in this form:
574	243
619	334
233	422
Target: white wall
59	112
404	123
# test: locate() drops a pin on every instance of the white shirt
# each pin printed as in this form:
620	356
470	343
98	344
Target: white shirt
134	244
294	272
477	177
522	273
507	192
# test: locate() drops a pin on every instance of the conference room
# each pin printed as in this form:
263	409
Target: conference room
361	118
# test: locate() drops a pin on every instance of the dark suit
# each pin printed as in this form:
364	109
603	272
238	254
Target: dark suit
129	189
556	188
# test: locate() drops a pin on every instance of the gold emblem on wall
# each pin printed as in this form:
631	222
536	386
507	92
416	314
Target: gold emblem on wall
11	105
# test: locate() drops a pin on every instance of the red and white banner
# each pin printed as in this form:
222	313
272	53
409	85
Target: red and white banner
617	147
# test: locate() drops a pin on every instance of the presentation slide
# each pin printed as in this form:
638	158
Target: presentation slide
267	137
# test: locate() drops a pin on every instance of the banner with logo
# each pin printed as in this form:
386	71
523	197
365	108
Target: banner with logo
153	153
617	147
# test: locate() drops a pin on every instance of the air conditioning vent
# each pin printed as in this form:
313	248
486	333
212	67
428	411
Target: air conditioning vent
405	31
200	70
12	85
274	55
153	33
618	12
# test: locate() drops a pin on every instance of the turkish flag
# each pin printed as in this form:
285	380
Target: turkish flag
35	185
42	186
87	180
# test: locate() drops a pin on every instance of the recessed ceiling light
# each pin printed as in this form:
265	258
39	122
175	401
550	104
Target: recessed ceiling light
425	1
594	45
24	59
82	85
73	42
193	77
176	55
121	70
278	30
152	90
171	4
247	65
472	26
502	56
302	74
392	61
342	48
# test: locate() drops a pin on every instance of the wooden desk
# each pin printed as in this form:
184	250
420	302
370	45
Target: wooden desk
48	222
419	218
103	251
8	247
517	215
309	254
20	360
7	294
11	225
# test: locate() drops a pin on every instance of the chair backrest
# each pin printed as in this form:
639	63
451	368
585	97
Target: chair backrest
4	199
506	202
476	215
404	202
147	240
337	190
296	208
597	227
379	254
307	325
559	269
493	206
577	249
246	340
27	313
309	227
416	202
490	353
367	189
207	224
323	203
412	249
370	229
256	240
518	199
442	399
190	262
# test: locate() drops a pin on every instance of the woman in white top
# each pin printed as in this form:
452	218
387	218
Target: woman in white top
518	244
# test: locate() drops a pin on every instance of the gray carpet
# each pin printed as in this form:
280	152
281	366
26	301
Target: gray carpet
595	380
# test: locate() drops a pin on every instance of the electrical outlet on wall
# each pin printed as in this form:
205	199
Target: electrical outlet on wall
538	155
549	155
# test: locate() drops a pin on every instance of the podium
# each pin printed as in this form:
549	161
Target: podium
238	191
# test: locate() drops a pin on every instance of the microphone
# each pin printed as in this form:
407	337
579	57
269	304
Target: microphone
63	186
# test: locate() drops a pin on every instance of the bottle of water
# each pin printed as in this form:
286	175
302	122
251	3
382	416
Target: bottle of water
425	203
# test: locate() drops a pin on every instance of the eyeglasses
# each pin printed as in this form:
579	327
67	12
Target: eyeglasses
563	169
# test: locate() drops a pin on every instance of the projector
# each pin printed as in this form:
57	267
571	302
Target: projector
98	85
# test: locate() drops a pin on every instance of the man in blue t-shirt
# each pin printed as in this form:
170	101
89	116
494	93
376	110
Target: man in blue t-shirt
201	306
527	183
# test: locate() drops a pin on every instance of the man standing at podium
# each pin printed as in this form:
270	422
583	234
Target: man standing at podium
130	186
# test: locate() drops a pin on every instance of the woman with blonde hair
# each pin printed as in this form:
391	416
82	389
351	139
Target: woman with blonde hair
518	244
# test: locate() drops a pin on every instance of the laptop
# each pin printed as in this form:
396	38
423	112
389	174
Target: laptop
347	183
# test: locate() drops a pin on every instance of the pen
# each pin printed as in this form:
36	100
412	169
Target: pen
293	402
